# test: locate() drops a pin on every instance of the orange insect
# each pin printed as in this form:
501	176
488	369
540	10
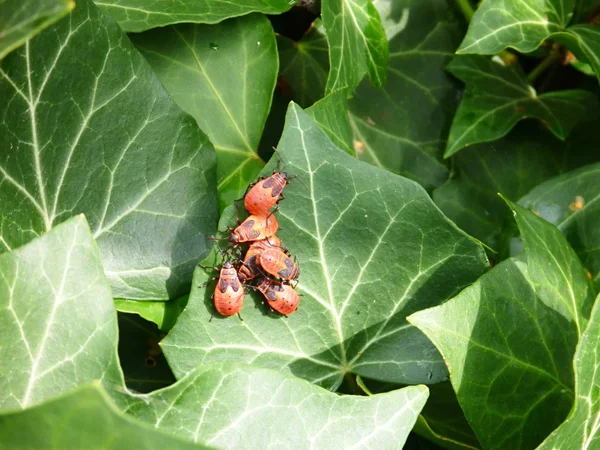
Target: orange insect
249	269
281	297
254	228
264	194
275	262
228	296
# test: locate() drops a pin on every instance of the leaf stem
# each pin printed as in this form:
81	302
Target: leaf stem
549	60
466	8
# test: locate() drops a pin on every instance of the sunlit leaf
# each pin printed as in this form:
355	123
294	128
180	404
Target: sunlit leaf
20	20
109	143
496	97
372	249
84	418
239	406
59	327
141	15
331	114
231	106
163	314
509	339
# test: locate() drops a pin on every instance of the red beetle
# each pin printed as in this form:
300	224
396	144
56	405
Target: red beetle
254	228
228	296
249	269
281	297
276	263
265	194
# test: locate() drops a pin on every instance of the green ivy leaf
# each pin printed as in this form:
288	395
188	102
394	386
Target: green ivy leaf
21	20
141	15
584	42
144	366
403	128
357	43
572	203
583	8
372	249
497	97
580	430
116	148
305	64
515	390
331	114
225	404
513	166
231	106
83	418
522	25
57	317
163	314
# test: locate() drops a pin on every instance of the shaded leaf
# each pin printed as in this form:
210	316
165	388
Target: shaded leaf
21	20
497	97
583	9
116	148
231	106
43	286
84	418
403	128
572	203
225	404
513	165
305	64
514	391
163	314
141	15
331	114
357	43
522	25
372	249
583	41
144	366
580	430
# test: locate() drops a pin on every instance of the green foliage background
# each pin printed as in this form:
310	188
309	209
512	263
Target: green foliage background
446	224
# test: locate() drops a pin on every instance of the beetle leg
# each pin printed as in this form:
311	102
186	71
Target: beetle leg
240	317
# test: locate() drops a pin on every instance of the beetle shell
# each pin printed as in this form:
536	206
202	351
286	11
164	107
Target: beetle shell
265	194
250	269
255	228
229	293
281	297
278	264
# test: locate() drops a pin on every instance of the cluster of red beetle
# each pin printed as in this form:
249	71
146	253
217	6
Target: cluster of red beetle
265	266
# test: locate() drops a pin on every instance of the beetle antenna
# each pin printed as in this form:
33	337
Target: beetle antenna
279	160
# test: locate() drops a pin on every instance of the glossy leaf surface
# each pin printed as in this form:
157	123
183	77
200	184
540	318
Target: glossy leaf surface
497	97
514	391
83	418
572	203
43	286
372	248
21	20
357	43
231	106
116	148
225	404
141	15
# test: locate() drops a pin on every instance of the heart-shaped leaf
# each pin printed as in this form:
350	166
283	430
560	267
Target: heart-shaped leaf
497	97
572	203
21	20
84	418
509	339
115	148
519	24
141	15
580	430
231	106
58	319
403	128
225	404
372	249
357	43
513	165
